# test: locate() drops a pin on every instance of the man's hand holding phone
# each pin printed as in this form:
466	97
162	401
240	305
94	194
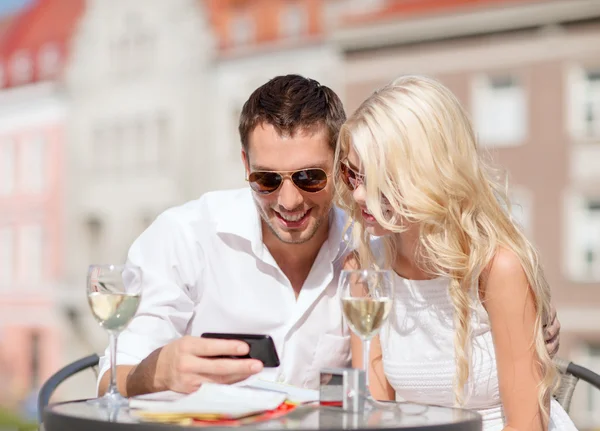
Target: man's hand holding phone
262	346
183	365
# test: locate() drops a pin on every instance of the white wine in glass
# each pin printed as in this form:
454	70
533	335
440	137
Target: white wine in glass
114	294
366	315
366	296
113	311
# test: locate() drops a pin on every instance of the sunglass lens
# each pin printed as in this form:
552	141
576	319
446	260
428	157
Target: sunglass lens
348	176
264	182
310	180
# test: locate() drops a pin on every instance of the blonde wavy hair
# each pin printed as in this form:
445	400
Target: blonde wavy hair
420	158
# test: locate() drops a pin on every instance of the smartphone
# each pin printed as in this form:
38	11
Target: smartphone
262	347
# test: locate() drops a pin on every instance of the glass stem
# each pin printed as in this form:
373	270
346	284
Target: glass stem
366	355
112	387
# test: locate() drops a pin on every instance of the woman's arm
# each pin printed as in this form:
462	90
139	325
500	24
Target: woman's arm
378	384
510	304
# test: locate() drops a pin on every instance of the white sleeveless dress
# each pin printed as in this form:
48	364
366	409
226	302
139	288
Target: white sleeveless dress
418	354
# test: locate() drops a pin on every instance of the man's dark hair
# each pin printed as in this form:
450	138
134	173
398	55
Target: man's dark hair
291	103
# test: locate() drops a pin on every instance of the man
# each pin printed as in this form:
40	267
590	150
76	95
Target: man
264	259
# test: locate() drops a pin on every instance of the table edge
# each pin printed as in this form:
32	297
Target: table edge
60	421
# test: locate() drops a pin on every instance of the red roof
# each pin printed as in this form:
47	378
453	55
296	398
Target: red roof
394	9
5	24
40	36
264	16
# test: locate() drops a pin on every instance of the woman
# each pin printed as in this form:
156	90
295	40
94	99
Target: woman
471	298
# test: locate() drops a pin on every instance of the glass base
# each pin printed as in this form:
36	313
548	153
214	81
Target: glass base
371	404
110	399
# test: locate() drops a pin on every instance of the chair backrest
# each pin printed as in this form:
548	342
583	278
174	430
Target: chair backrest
570	375
564	393
60	376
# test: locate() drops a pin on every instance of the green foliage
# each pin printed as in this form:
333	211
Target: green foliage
10	420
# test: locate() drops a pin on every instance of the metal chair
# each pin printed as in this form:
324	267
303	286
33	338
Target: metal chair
571	374
60	376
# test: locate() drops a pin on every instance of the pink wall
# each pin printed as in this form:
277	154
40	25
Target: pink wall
45	207
24	307
17	357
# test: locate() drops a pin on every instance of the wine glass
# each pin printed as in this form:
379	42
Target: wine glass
114	293
366	296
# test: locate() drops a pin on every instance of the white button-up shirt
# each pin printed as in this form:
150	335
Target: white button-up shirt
205	268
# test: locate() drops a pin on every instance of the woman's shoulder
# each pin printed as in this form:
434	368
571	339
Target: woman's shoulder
504	272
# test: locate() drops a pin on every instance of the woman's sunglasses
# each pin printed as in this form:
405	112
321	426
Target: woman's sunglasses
308	180
350	177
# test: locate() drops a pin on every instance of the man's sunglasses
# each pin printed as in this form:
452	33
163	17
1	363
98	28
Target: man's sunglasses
350	177
308	180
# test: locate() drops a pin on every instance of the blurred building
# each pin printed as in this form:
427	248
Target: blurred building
529	72
33	109
139	83
151	95
139	86
257	41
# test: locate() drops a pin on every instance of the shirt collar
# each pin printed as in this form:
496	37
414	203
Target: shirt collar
338	241
240	217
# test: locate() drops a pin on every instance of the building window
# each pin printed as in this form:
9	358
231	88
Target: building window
99	160
584	109
140	134
118	54
586	412
22	68
162	127
294	19
592	103
49	60
131	146
592	245
146	220
31	253
242	29
7	167
94	230
35	339
107	148
236	145
156	137
130	159
114	147
32	164
583	249
7	260
499	110
133	49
